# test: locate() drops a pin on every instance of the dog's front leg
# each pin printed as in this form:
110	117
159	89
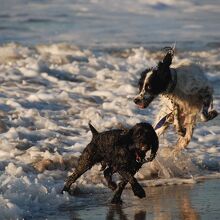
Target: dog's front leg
177	121
117	196
136	187
184	141
108	176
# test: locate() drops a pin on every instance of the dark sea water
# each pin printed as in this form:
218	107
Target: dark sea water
109	23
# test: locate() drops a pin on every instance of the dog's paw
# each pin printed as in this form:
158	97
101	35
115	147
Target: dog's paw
212	114
65	189
112	186
138	191
116	201
206	116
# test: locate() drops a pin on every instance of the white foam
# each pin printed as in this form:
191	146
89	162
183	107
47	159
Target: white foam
46	122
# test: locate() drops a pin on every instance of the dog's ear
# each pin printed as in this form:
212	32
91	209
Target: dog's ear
154	148
163	72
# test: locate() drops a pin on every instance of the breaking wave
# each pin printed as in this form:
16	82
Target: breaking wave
48	95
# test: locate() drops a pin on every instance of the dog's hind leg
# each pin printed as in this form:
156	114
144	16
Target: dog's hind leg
108	176
181	131
184	141
206	114
206	97
136	187
86	161
117	196
74	176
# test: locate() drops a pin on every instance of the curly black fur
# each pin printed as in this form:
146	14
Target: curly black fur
121	151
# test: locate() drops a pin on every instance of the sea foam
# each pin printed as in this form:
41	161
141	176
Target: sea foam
49	93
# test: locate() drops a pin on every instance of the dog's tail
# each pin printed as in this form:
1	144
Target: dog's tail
92	129
167	60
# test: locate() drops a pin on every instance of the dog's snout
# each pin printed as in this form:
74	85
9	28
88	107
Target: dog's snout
137	100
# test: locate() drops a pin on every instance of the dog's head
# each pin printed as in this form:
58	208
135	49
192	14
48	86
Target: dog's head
154	81
144	138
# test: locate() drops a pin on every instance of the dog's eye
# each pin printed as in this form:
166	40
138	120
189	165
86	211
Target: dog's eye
148	87
138	134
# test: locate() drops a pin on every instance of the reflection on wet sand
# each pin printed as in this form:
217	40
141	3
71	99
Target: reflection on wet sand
176	205
170	202
187	211
162	203
116	212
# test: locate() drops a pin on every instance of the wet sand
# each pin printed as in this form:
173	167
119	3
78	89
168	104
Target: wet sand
185	202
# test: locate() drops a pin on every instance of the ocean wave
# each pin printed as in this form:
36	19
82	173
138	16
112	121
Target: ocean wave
48	95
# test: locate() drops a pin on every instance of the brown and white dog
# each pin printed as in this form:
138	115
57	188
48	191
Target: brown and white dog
185	91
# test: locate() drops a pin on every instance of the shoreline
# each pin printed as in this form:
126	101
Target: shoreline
186	201
179	181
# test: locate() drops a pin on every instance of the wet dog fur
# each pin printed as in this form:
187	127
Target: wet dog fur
121	151
185	94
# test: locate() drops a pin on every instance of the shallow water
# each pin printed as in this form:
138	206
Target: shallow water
108	23
186	202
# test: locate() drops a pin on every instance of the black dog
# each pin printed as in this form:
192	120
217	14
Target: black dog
121	151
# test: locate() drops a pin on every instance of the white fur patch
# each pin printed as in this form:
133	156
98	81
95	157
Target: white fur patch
146	80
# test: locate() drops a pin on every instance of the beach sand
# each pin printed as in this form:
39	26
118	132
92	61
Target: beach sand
185	202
